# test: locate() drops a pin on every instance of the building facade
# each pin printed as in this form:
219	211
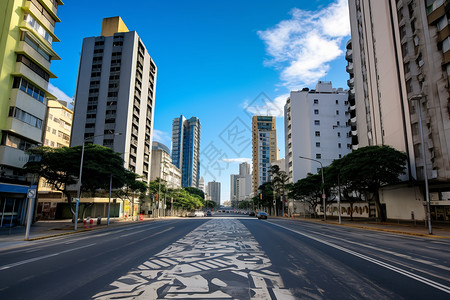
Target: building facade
162	167
316	127
241	185
400	63
186	149
214	192
264	149
58	125
115	96
26	52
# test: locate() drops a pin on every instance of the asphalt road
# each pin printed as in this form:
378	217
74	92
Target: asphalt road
228	257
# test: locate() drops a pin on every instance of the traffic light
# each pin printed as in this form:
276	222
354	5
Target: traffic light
260	196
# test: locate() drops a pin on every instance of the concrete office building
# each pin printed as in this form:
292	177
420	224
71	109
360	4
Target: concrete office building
186	149
404	71
201	184
264	149
233	190
116	95
315	127
163	168
26	52
214	192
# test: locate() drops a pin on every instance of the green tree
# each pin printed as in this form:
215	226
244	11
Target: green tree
279	181
61	166
194	191
369	168
132	186
309	190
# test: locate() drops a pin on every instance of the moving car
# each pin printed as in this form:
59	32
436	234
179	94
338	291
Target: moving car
208	214
261	215
252	213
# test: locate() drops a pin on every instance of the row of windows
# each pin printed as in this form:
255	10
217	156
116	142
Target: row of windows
28	88
316	101
25	117
26	37
316	112
43	11
317	133
39	29
16	142
34	67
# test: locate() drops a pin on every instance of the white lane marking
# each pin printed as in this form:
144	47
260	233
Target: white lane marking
419	278
41	257
386	251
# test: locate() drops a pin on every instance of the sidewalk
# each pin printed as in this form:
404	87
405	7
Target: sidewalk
15	236
439	229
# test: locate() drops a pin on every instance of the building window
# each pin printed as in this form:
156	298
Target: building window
32	66
337	101
339	145
337	112
317	144
340	155
316	111
316	101
28	88
25	117
316	122
318	155
317	133
339	134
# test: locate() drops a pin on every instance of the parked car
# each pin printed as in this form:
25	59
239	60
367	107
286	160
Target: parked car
208	214
251	214
261	215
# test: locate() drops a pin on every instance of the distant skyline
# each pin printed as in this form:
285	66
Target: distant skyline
219	61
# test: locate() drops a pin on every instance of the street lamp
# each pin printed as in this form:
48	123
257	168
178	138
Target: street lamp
79	178
425	175
323	185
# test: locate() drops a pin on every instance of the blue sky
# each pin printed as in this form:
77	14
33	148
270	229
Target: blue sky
220	61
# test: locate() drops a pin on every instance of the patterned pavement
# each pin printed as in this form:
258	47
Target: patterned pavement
218	260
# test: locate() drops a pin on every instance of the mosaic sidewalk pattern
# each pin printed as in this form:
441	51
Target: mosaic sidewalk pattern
218	260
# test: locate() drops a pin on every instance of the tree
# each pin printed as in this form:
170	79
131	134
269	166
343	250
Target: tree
279	181
61	166
132	185
308	189
194	191
369	168
266	193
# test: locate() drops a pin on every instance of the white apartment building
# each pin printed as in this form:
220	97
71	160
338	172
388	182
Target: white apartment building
162	167
316	128
116	95
241	185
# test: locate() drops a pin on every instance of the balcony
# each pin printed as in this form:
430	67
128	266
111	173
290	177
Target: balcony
351	82
435	11
12	157
349	68
349	55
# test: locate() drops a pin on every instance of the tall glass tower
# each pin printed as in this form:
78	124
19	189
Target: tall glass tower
186	149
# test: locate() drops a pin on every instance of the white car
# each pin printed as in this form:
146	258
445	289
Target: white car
199	214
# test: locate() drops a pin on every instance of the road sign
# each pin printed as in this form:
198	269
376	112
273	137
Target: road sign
31	193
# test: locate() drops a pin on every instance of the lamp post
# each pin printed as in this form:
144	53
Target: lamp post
323	185
425	175
81	172
31	195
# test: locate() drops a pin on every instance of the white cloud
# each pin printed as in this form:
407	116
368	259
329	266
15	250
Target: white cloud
161	136
266	106
237	160
302	46
60	95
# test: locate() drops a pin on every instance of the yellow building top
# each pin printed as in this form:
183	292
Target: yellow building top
113	25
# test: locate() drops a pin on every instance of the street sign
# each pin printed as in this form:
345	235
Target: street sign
31	193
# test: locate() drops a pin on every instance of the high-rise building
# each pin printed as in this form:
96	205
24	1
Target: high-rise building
26	51
162	166
233	190
115	96
186	149
58	125
264	149
400	55
201	184
241	185
316	127
214	191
